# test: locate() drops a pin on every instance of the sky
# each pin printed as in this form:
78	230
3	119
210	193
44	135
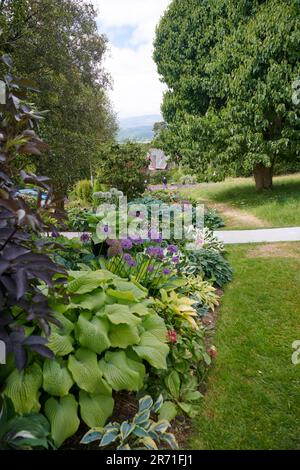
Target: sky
130	28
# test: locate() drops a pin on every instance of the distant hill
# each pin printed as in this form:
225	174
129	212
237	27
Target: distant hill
139	128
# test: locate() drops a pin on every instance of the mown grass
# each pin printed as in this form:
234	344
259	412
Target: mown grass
279	207
253	396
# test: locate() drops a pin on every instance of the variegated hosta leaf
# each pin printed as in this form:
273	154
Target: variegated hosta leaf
126	429
95	409
145	403
158	404
92	332
57	379
22	387
62	415
86	373
170	440
121	372
94	434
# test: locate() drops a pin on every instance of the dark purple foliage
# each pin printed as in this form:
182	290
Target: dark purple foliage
23	266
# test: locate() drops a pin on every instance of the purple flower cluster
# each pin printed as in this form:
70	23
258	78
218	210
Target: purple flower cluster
129	260
126	244
172	249
85	238
155	252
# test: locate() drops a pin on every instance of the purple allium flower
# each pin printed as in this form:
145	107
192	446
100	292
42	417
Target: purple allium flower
175	259
132	263
172	249
110	242
54	234
166	271
155	252
150	268
126	244
155	236
85	238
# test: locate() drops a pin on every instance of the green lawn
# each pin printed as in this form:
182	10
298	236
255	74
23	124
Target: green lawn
277	208
253	396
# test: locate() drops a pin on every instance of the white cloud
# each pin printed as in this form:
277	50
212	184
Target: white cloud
137	89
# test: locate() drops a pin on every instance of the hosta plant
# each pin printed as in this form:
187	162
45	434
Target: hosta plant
26	432
140	433
203	292
108	333
179	306
184	393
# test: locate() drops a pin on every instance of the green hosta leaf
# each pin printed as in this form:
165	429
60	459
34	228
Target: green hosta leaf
126	296
121	372
140	309
60	344
156	326
172	382
67	326
193	396
122	336
95	409
152	350
22	387
118	314
188	409
145	403
94	434
138	292
62	415
89	281
57	380
92	302
126	429
168	411
28	431
86	373
92	333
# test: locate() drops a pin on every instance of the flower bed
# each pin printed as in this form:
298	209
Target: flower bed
131	322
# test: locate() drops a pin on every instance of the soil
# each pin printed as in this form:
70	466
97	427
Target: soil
275	250
236	217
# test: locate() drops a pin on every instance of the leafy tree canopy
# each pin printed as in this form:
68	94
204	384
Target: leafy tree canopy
230	68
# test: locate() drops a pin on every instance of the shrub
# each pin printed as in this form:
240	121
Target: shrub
124	166
84	191
213	220
188	179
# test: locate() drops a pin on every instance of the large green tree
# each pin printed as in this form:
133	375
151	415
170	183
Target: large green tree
230	67
56	43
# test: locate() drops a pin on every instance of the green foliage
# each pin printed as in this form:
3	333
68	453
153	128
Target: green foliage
78	219
208	263
107	332
188	179
123	166
213	220
56	44
185	394
141	433
27	432
229	67
83	191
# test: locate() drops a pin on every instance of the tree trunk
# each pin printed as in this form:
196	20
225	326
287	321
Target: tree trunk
263	176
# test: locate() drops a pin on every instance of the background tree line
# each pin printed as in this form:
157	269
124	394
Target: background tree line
230	67
55	44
